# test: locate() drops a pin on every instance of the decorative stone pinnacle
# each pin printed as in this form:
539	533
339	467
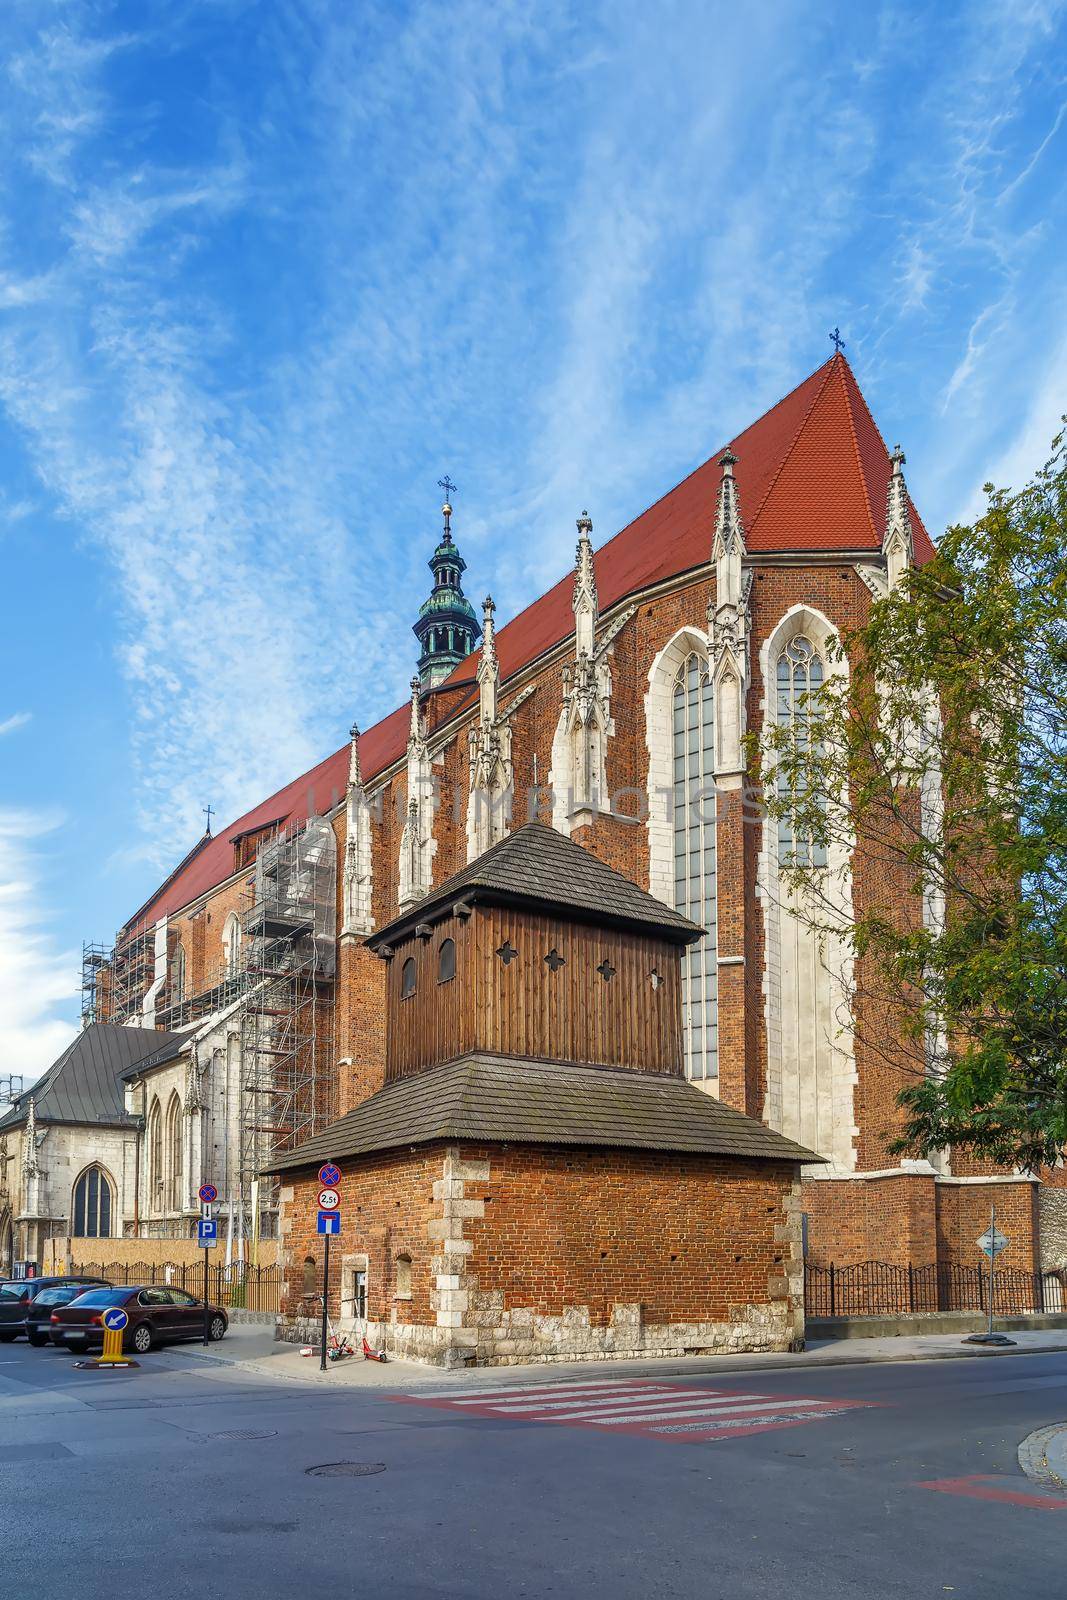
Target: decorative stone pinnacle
898	459
488	608
355	773
727	461
584	525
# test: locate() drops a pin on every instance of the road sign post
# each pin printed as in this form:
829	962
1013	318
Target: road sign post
329	1224
207	1233
992	1242
325	1302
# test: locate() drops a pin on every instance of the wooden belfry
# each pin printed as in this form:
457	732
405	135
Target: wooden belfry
536	950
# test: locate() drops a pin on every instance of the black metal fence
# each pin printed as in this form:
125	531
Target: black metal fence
239	1287
882	1288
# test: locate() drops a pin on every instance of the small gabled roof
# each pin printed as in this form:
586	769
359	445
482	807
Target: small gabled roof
538	867
85	1084
521	1101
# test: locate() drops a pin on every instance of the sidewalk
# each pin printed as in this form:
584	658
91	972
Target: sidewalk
254	1350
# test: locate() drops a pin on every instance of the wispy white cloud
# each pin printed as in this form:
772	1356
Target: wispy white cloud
561	254
38	1007
17	720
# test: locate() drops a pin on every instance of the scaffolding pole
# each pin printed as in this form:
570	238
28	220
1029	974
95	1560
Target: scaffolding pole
288	967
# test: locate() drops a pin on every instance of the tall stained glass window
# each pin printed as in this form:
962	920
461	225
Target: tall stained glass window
694	861
800	675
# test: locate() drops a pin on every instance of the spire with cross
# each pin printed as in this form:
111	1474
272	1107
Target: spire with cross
209	812
837	341
447	628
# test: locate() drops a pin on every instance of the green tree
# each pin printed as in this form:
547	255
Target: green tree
930	770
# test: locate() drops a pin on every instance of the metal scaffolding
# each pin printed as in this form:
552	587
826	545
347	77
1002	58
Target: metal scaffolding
289	962
116	978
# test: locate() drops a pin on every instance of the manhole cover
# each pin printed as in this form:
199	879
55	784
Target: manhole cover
346	1469
246	1433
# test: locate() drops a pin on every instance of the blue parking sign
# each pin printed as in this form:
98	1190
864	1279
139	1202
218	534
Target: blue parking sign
329	1222
207	1232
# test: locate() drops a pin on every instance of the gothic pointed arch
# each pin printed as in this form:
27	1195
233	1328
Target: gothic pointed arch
93	1212
811	1072
680	732
154	1146
7	1244
174	1152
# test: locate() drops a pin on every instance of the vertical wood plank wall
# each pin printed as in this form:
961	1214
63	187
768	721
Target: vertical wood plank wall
523	1008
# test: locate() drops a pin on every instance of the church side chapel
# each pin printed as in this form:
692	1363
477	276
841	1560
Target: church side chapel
304	963
537	1180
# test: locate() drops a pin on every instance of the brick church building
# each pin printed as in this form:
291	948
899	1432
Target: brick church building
608	710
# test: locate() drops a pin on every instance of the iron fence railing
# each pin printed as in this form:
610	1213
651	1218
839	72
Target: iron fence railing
240	1287
884	1288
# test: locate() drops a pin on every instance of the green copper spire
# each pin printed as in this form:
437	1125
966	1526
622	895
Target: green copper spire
447	629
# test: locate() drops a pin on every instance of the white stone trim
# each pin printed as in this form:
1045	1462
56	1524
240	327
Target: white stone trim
659	741
811	1069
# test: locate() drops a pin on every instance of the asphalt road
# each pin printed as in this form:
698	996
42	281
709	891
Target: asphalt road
188	1479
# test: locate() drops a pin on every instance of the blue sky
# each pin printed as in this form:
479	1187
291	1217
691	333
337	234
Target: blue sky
269	267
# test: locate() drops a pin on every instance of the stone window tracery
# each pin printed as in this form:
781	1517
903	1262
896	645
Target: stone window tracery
693	743
800	674
91	1210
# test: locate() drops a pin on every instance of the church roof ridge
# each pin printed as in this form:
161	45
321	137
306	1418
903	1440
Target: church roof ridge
84	1083
672	536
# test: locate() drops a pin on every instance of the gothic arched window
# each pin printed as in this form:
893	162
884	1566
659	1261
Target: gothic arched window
231	943
403	1277
694	859
155	1154
407	979
800	674
174	1151
91	1211
177	975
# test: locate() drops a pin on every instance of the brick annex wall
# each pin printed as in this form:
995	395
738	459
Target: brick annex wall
890	1219
963	1216
387	1206
527	1252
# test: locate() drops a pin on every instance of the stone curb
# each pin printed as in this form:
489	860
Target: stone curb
1043	1456
504	1377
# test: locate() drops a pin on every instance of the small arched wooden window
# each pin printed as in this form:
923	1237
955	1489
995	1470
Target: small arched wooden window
403	1277
309	1284
446	961
407	979
91	1217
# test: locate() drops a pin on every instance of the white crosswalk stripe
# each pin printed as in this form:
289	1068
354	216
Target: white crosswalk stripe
662	1410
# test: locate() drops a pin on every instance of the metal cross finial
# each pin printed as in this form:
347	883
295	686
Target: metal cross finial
209	812
837	341
447	485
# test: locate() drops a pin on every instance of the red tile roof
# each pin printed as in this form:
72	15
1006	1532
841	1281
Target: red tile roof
812	474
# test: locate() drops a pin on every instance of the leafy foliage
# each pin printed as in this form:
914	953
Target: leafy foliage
931	768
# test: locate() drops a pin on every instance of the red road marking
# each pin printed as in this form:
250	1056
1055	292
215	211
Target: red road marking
983	1488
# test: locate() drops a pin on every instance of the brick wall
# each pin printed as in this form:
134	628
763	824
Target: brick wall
963	1216
527	1253
871	1219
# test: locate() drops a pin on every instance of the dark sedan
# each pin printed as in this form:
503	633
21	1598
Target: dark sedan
51	1297
18	1294
157	1315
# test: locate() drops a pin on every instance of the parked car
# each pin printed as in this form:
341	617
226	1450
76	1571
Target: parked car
39	1311
157	1315
18	1294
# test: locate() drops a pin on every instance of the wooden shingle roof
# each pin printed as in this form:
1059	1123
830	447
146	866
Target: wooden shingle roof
520	1101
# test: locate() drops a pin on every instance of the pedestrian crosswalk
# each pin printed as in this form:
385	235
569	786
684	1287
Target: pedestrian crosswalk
617	1405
